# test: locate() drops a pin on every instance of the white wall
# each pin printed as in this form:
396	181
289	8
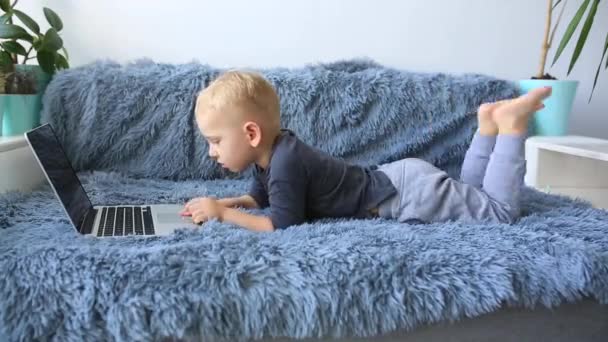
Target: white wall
495	37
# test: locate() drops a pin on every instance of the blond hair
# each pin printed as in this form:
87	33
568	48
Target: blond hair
245	89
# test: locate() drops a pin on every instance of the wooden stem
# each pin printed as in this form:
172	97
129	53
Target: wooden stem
545	46
27	54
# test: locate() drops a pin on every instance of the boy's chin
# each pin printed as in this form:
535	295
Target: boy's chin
231	169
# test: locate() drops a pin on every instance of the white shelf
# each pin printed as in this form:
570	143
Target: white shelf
586	147
12	143
574	166
19	170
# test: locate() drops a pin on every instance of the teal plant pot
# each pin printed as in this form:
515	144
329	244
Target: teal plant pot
553	120
21	113
1	113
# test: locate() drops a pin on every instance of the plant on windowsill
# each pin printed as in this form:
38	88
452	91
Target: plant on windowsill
22	85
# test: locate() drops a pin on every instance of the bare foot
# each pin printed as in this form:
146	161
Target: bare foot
485	119
512	116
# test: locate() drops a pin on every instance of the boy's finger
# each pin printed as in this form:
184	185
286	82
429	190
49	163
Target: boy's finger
188	206
199	219
192	202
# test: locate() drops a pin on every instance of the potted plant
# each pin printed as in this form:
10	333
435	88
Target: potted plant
553	119
22	85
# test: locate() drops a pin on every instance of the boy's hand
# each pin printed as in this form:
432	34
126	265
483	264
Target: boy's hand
228	202
204	209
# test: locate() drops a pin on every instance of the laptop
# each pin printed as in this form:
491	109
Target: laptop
98	221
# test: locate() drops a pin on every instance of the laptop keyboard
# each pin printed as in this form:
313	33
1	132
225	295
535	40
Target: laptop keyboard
121	221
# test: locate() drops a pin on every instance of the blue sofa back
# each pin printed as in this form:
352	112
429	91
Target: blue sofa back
138	118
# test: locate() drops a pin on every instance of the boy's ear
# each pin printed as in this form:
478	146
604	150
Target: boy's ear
253	133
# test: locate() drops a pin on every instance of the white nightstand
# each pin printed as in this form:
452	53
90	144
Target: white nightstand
18	167
570	165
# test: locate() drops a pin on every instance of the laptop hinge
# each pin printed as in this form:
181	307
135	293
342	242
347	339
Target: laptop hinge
86	227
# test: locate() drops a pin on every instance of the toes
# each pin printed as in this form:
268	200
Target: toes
491	106
537	94
486	108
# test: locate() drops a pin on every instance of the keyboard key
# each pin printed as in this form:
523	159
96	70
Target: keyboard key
148	222
87	223
128	220
120	217
110	221
102	222
139	229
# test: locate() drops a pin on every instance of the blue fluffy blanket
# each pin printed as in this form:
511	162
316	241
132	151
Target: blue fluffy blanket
328	278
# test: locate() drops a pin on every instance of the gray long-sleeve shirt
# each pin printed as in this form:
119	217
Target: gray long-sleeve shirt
303	183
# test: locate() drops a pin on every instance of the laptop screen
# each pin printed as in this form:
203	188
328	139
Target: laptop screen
60	173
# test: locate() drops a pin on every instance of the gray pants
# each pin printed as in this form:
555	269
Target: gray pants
489	189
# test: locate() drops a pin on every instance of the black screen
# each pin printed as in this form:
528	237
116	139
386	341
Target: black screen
58	169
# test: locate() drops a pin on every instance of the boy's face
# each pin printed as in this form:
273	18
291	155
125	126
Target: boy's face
229	142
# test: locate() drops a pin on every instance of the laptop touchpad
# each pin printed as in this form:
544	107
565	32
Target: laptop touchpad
172	218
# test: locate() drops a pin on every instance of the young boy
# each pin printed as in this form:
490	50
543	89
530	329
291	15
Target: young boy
239	116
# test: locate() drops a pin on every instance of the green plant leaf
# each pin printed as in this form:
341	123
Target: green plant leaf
582	38
4	18
65	52
61	62
597	73
46	60
606	48
5	60
51	41
53	19
570	30
5	5
36	43
9	31
27	21
13	47
555	4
